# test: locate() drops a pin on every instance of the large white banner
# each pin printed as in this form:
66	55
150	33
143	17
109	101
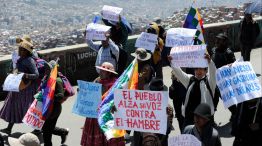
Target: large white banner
12	82
180	37
141	110
237	83
189	56
184	140
96	31
147	41
111	13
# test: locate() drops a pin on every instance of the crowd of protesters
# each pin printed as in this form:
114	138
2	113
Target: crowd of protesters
195	96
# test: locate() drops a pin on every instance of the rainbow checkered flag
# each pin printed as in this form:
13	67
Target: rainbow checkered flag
194	21
128	80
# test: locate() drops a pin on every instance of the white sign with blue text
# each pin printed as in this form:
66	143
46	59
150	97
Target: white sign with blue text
237	83
180	37
111	13
96	31
88	99
147	41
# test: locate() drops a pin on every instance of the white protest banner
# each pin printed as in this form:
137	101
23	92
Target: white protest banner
189	56
184	140
180	37
12	82
96	31
88	99
237	83
141	110
33	116
111	13
147	41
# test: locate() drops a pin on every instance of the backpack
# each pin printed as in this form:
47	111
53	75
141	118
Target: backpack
122	60
69	90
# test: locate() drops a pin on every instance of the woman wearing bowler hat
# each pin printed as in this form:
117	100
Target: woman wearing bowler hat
92	134
17	103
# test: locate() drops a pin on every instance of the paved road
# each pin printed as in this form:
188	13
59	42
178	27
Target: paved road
75	122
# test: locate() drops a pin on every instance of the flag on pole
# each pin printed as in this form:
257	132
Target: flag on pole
194	21
128	80
48	92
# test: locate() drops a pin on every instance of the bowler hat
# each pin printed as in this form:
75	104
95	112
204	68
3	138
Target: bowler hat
203	110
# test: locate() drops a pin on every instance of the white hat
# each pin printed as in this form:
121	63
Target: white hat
107	66
141	54
27	139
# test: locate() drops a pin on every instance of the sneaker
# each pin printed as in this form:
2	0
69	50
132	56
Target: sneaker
64	136
6	131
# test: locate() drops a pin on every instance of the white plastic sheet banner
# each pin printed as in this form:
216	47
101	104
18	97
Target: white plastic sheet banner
96	31
111	13
180	37
147	41
189	56
12	82
237	83
183	140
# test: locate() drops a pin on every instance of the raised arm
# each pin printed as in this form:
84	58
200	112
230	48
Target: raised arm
114	48
93	46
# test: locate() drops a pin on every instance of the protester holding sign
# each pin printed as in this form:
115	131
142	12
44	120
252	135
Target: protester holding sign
200	88
156	55
247	125
222	55
92	134
17	103
119	35
49	126
107	52
202	128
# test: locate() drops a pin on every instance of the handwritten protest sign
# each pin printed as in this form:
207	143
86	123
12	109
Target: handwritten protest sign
111	13
88	99
141	110
33	116
96	31
189	56
180	37
237	83
147	41
184	140
12	82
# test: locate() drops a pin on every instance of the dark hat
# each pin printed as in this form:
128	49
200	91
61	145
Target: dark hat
156	85
222	36
203	110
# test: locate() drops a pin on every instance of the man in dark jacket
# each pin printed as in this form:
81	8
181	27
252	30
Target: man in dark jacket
222	55
249	31
202	128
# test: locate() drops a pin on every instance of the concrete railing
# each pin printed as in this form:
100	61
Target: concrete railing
77	61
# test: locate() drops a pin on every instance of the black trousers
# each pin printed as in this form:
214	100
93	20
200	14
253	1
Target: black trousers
50	124
246	51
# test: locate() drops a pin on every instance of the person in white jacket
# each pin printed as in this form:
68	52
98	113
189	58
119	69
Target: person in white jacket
200	89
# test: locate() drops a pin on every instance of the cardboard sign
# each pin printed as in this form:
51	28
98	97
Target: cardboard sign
33	116
96	31
184	140
141	110
147	41
111	13
12	82
88	99
189	56
180	37
237	83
